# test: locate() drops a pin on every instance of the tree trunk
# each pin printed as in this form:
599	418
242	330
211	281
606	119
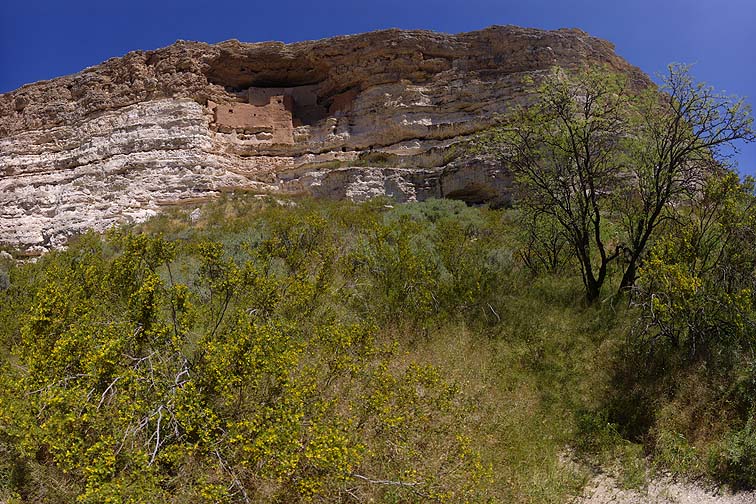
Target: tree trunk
628	279
592	291
591	283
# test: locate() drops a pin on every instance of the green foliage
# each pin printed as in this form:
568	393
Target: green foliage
697	288
390	353
432	261
593	149
596	433
631	182
4	280
308	352
150	368
564	152
686	383
675	453
734	460
544	247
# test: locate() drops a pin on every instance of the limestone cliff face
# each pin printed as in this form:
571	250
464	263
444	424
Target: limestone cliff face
346	117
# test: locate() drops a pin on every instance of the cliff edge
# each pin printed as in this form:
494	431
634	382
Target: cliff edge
345	117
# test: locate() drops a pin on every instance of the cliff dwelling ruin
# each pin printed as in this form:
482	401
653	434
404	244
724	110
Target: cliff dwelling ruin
272	113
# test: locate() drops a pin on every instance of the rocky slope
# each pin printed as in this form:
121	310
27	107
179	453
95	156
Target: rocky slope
352	116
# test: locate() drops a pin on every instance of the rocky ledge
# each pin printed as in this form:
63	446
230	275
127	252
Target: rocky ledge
382	113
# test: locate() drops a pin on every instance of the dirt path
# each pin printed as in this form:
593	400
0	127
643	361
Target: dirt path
603	489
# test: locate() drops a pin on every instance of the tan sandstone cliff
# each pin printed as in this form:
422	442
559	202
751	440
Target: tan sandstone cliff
352	116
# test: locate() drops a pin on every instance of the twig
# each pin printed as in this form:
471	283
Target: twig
388	482
157	433
235	479
494	312
102	398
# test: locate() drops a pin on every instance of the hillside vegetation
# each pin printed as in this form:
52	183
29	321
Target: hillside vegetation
260	350
341	352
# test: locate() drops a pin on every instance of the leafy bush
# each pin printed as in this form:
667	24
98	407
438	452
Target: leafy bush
735	459
321	351
238	383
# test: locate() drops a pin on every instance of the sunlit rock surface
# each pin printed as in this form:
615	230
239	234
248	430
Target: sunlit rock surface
381	113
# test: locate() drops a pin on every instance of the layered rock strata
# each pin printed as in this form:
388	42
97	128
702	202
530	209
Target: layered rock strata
381	113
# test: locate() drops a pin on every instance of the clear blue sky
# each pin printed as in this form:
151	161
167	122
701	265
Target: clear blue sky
41	39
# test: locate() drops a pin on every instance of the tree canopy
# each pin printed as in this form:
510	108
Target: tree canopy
610	163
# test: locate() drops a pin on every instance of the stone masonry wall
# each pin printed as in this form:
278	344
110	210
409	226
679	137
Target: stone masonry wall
275	117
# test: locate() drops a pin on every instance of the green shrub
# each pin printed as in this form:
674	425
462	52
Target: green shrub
333	351
734	460
674	452
595	433
147	368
